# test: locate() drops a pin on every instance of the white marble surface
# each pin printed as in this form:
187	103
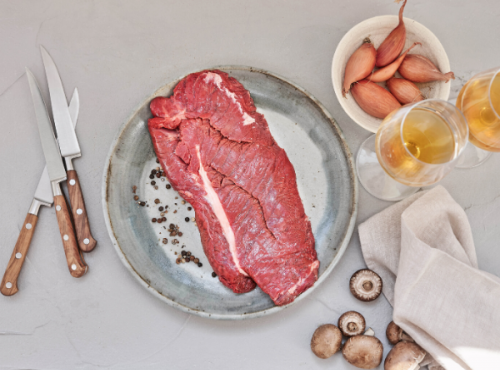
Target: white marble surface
117	53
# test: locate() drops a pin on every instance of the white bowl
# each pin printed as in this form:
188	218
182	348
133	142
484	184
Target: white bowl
377	29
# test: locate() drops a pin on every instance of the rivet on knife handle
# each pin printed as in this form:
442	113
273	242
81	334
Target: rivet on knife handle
85	240
76	263
9	282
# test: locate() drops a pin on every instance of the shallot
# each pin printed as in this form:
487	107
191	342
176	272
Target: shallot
393	44
374	99
359	65
418	68
405	91
383	74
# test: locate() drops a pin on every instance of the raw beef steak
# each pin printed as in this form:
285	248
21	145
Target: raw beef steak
218	153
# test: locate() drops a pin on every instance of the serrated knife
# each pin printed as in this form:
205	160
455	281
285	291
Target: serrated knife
43	197
57	174
70	149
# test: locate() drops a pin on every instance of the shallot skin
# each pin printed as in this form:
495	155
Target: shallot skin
383	74
393	44
405	91
359	65
374	99
418	68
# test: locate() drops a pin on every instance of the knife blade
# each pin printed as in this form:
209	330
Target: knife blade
43	197
57	174
70	149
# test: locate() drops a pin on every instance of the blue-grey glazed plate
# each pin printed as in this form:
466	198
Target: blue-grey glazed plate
325	177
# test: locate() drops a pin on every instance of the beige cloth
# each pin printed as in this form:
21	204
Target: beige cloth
423	250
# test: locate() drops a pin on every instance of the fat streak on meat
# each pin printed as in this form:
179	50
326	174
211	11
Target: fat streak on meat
218	153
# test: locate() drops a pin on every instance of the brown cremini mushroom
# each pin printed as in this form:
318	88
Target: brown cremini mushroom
365	285
352	323
404	356
363	351
395	334
326	340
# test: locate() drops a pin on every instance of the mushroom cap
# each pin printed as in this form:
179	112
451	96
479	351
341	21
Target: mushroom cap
326	340
395	334
365	285
363	351
352	323
404	356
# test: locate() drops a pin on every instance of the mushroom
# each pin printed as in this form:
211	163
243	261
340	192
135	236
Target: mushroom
395	334
363	351
352	323
326	340
404	356
365	285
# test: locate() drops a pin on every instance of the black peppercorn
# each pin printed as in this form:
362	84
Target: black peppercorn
153	220
153	182
186	219
160	209
151	176
168	186
214	274
200	264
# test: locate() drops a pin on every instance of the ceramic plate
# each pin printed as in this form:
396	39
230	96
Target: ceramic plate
326	182
377	29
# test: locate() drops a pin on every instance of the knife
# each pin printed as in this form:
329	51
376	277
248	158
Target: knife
57	174
70	149
43	197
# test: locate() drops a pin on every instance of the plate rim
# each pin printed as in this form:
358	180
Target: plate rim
343	245
336	61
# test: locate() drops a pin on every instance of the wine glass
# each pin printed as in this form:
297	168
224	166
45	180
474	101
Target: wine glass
416	145
479	100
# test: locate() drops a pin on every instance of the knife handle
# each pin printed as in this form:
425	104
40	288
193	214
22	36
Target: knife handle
85	240
76	263
18	255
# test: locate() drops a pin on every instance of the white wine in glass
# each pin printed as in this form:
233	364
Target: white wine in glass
416	145
479	100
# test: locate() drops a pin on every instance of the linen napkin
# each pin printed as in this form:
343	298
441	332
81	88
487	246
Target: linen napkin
423	250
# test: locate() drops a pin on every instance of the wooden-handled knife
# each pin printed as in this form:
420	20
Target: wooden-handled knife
57	174
70	149
43	197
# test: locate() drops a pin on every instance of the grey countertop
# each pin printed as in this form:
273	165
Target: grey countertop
119	52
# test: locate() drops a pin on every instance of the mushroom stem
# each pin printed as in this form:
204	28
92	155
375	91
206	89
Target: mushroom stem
370	332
